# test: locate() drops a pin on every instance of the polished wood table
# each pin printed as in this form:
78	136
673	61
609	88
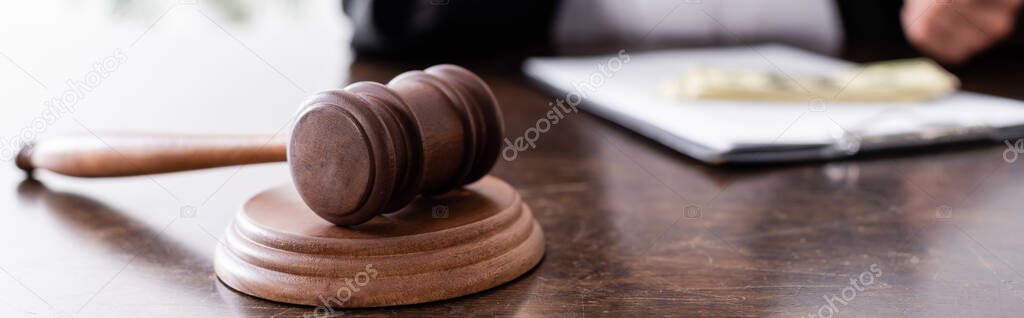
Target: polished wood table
633	228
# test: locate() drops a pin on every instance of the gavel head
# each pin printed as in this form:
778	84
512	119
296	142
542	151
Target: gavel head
369	148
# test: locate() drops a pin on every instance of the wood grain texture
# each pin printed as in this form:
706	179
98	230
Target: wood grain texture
768	241
130	154
435	248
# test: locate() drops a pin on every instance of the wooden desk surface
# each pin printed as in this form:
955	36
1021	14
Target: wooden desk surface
633	229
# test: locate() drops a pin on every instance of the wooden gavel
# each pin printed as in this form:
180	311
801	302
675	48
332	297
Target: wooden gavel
354	153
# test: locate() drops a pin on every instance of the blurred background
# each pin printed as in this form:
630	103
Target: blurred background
226	56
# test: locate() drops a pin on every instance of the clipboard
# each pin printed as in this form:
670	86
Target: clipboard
720	131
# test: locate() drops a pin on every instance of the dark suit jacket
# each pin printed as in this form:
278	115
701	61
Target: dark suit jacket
445	30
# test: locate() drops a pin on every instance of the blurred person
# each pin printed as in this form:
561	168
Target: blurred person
951	31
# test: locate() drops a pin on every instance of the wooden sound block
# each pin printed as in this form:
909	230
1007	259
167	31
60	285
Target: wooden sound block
436	248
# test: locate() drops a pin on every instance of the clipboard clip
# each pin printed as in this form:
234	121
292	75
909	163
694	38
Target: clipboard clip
851	143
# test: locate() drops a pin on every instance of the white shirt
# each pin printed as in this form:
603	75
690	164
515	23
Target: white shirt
810	24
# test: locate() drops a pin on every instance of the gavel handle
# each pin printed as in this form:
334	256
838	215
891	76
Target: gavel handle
118	155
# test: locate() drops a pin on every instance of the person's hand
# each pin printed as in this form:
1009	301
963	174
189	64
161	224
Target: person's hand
953	31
